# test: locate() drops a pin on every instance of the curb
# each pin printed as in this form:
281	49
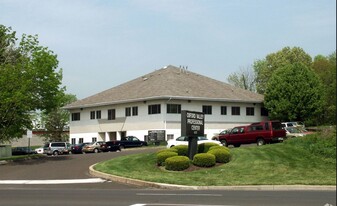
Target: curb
143	183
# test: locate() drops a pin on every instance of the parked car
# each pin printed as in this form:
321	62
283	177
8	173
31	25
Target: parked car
183	140
259	132
294	132
95	147
226	131
22	151
77	148
39	150
56	148
293	124
128	141
113	147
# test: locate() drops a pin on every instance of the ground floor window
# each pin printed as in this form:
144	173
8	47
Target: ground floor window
235	110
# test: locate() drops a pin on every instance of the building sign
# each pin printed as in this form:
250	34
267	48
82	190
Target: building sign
29	134
156	135
192	123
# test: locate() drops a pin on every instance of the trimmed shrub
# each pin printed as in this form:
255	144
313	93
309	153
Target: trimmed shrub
204	160
221	155
177	163
219	147
162	156
168	150
204	147
182	150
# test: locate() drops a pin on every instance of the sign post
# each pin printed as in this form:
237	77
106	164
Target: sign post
29	136
192	126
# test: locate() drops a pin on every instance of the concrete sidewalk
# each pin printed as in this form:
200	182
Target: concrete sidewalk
184	187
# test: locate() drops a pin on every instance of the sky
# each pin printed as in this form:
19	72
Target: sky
101	44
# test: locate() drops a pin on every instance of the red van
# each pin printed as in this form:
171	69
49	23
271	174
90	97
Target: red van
260	133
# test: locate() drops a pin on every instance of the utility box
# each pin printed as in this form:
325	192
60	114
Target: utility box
5	151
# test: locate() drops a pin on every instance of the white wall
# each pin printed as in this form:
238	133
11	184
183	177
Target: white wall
140	124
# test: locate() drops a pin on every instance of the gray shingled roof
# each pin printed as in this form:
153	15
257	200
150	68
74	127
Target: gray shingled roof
169	82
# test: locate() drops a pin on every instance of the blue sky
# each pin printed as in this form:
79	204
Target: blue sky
101	44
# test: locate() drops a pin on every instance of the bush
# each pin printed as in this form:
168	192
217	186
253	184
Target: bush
182	150
219	147
204	160
204	147
168	150
162	156
221	155
177	163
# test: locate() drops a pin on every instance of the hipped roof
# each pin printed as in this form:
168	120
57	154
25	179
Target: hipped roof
169	82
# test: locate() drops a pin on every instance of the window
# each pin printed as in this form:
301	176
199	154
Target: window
92	115
111	114
154	109
128	111
174	108
134	111
206	109
98	114
264	111
73	141
94	139
235	110
80	140
250	111
75	116
223	110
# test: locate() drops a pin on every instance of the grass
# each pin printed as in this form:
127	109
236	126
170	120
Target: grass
310	160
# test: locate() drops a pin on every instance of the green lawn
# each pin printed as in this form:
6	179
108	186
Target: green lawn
310	160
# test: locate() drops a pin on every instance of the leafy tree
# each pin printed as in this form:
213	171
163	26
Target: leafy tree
56	122
265	68
325	68
29	81
244	79
294	92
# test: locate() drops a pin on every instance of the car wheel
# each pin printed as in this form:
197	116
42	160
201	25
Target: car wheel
260	142
237	145
55	153
224	143
95	150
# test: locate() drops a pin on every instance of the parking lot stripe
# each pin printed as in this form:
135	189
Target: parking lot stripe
44	182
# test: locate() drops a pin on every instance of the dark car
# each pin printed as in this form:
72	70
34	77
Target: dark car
112	147
22	151
77	148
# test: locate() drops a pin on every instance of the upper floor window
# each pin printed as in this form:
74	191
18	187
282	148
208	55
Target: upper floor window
174	108
98	114
235	110
111	114
250	111
92	114
128	111
75	116
264	111
207	109
223	110
154	109
134	111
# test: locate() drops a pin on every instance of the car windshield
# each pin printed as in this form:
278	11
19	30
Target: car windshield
202	138
293	130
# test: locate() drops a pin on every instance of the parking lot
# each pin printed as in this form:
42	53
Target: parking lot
73	166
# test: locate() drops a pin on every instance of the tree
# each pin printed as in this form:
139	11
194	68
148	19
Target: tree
294	93
325	68
56	122
265	68
29	81
244	79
